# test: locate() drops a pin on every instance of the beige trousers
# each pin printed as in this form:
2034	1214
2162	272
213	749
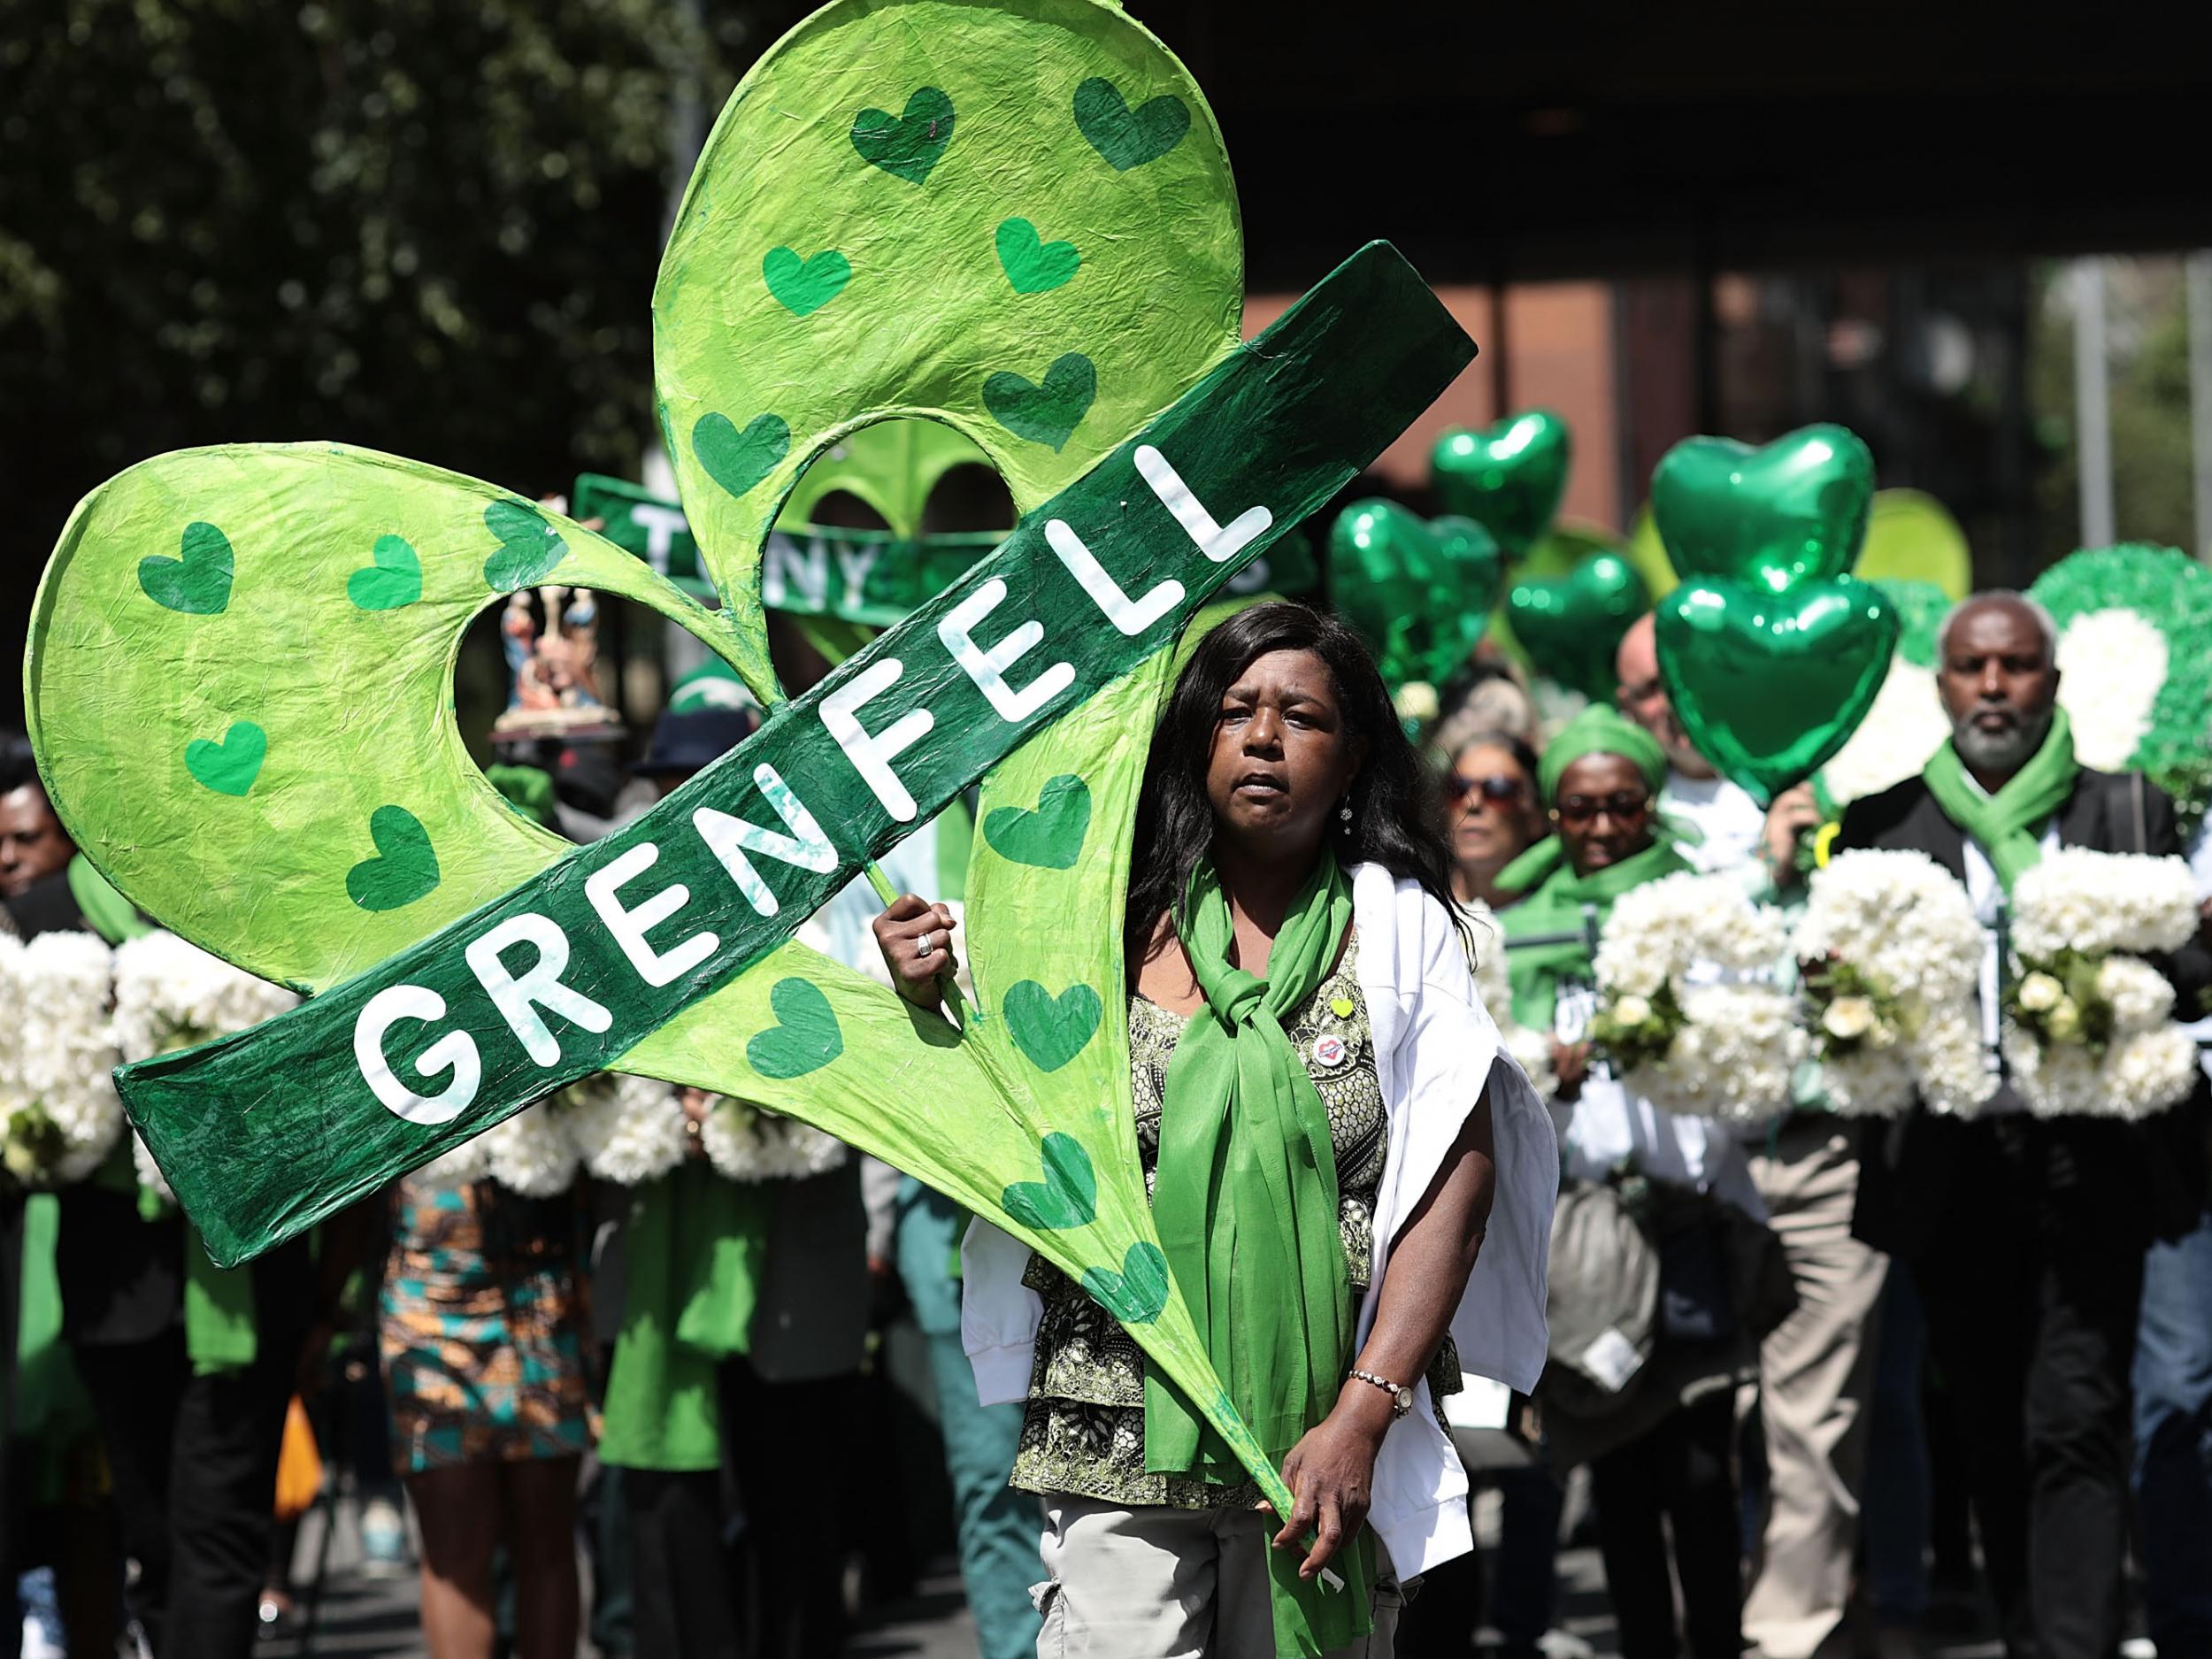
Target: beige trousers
1158	1583
1816	1382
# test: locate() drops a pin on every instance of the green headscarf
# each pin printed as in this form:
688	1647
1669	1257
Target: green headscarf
2005	824
1246	1205
1561	907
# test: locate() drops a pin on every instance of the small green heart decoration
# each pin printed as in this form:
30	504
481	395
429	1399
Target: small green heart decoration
1051	836
1050	1030
1770	687
1507	477
1136	1294
1572	626
806	1036
405	868
1068	1195
1418	591
1791	511
738	460
529	547
1032	265
197	583
393	577
803	287
228	764
1048	413
909	145
1129	138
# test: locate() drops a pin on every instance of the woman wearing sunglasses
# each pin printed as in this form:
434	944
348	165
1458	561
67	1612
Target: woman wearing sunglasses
1490	813
1663	1449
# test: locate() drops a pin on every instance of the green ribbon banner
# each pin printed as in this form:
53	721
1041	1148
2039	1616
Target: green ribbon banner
563	975
873	577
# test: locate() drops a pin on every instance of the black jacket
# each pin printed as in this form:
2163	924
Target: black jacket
2145	1178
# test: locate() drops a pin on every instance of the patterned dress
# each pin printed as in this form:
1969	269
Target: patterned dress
483	1359
1083	1429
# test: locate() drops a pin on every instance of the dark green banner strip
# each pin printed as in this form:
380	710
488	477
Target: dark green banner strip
563	975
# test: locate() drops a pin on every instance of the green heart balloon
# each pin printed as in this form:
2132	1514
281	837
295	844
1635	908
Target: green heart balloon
1769	686
1418	591
1507	477
1791	511
1572	626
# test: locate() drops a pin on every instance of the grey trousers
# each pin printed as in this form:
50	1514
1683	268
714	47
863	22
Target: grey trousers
1158	1583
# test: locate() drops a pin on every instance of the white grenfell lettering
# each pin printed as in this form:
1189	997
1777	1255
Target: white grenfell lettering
729	839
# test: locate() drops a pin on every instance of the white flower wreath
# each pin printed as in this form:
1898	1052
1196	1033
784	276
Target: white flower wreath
59	1117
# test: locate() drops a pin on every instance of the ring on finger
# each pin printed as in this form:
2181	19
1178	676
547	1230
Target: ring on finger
924	947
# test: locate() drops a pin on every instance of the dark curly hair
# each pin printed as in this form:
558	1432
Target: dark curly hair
1395	821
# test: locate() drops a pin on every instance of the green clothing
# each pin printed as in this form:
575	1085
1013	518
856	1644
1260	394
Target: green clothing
1599	730
1566	903
2005	824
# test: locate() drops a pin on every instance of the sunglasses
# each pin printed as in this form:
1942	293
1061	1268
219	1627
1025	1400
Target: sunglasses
1500	789
1579	809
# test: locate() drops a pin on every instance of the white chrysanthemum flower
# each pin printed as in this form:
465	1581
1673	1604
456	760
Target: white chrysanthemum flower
1735	1059
2138	994
628	1130
531	1153
1849	1017
2112	665
1899	917
2097	902
62	1118
171	995
748	1144
1869	1080
469	1162
1953	1073
150	1174
2040	992
1905	726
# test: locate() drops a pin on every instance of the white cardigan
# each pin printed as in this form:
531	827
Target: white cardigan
1434	1046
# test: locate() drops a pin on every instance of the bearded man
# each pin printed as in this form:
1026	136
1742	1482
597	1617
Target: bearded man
2026	1235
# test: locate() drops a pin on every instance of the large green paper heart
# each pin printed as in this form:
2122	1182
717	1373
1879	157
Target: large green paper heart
1033	264
1050	837
1767	687
1068	1195
1572	626
1135	1295
229	764
1507	477
391	579
1791	511
405	867
803	287
738	460
1051	1030
1048	413
197	583
529	547
1419	591
1129	138
805	1038
907	145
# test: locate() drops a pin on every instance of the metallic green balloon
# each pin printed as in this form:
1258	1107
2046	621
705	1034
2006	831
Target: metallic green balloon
1794	511
1508	477
1771	686
1572	626
1418	591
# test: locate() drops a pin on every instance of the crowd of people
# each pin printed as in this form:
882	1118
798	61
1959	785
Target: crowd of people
1844	1333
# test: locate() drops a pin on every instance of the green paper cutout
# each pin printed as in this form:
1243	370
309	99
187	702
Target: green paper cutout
1138	1294
1046	413
803	287
1051	1030
893	467
739	460
197	582
393	577
529	546
1033	264
909	145
1508	477
229	764
1790	511
805	1037
1049	838
404	869
1129	138
1068	1195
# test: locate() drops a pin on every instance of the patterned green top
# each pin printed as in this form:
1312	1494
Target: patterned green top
1083	1431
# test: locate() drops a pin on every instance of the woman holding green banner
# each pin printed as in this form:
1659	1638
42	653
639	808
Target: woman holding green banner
1323	1146
1665	1447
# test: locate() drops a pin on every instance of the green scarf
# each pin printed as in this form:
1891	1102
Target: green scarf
2005	824
1246	1205
693	1254
106	911
221	1332
1561	903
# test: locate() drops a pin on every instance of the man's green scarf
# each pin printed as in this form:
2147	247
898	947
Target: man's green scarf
2006	825
1560	905
1246	1205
